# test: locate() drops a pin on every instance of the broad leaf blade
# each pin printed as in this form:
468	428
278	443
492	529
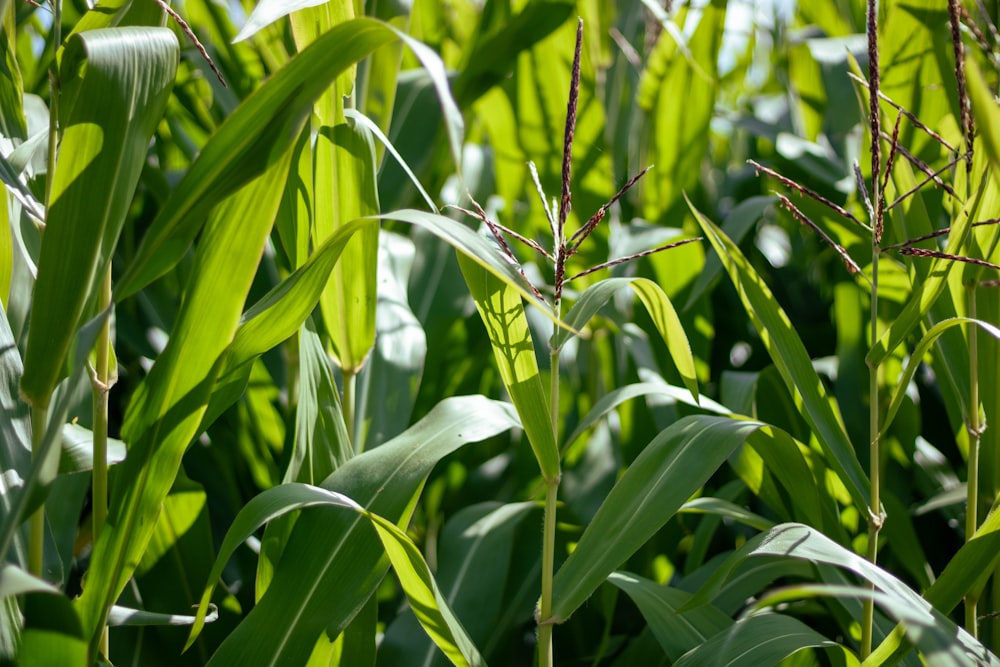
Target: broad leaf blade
115	88
166	411
677	631
332	562
657	305
669	470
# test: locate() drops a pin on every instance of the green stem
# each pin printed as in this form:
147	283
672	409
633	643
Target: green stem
545	655
350	381
101	386
875	504
36	524
548	565
972	485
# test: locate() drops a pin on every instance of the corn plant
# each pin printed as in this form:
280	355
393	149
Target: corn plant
302	363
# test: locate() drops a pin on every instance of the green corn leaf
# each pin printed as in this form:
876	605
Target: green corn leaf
618	396
164	414
340	186
279	313
342	191
502	312
17	581
387	389
762	639
674	465
267	12
260	130
77	451
409	564
966	572
985	109
322	443
40	469
115	86
657	305
676	631
261	509
15	444
424	596
474	562
332	560
258	134
52	633
123	616
939	640
917	358
495	55
724	508
791	360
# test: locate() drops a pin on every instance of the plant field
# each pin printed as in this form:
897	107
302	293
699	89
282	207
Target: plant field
509	332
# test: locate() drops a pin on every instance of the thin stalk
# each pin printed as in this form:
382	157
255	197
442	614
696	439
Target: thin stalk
53	101
101	386
36	524
545	655
545	658
876	212
874	509
972	486
350	382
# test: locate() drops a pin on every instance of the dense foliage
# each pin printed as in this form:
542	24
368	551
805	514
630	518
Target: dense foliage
316	346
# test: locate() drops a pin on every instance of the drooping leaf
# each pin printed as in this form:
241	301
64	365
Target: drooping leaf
917	357
77	453
474	560
331	563
251	140
762	639
260	131
424	596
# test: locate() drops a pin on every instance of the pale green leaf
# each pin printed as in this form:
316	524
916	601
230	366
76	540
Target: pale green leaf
166	411
502	313
255	136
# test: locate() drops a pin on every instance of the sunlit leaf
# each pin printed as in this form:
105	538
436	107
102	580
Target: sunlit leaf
115	86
